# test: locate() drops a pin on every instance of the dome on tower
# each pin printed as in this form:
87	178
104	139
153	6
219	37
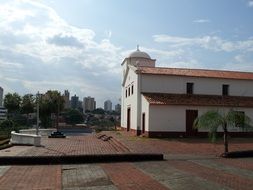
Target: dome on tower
139	54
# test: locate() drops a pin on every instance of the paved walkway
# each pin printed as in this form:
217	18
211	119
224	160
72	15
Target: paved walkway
31	177
200	146
73	145
189	164
172	174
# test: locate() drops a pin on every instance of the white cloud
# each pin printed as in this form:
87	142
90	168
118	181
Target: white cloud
250	3
201	21
208	42
10	65
239	58
42	50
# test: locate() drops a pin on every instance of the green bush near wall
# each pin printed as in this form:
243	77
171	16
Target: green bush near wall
7	126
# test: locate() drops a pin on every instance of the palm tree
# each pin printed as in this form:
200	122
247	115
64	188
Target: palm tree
213	119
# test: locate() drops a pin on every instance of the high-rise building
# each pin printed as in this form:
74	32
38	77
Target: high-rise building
74	102
89	104
3	113
66	99
118	108
80	106
1	96
108	105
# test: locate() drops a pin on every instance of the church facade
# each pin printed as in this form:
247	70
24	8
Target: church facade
164	102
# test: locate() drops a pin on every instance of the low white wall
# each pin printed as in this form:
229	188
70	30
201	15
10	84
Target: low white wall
42	132
25	139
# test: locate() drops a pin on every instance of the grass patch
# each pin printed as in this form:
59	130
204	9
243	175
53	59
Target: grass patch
136	138
118	133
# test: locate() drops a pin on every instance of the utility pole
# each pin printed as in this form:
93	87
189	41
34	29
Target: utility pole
38	109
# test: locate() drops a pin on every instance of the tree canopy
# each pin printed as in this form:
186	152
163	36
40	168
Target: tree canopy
74	116
50	102
12	102
28	104
98	111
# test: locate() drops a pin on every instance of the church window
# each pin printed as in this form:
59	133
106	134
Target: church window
128	91
189	87
225	89
132	89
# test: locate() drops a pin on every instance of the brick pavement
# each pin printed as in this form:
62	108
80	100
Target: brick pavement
174	178
214	164
15	150
191	164
200	146
218	176
31	177
76	145
243	163
126	176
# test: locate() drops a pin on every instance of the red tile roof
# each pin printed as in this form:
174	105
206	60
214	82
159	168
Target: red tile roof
198	100
196	73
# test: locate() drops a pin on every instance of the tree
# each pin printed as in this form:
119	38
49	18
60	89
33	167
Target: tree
212	120
6	127
12	103
27	104
74	116
51	102
98	111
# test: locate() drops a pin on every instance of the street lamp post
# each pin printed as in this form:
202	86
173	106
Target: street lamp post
38	110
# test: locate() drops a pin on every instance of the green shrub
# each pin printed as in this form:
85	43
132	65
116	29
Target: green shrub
6	127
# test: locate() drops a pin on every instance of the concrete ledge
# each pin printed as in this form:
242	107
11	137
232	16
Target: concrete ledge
25	139
78	159
238	154
42	132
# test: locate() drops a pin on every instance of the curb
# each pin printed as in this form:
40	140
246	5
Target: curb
238	154
78	159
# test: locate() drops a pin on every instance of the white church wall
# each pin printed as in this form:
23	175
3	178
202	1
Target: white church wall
173	118
130	101
166	118
145	109
208	86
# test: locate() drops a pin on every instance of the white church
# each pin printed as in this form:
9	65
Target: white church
164	102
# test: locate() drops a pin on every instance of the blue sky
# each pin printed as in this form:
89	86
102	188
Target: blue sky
79	45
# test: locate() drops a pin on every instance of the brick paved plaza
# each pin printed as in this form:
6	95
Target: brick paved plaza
189	164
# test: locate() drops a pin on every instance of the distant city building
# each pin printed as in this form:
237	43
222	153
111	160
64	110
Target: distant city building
89	104
66	99
80	106
3	113
1	96
118	108
74	102
108	105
